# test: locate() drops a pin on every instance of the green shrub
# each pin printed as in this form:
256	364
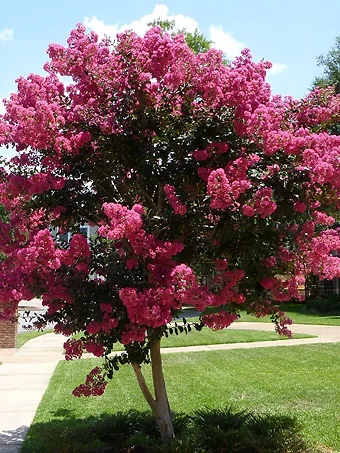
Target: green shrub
229	431
207	430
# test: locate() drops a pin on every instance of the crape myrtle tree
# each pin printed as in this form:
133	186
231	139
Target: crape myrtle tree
207	192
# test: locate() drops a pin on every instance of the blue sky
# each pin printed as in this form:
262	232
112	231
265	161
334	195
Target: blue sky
291	33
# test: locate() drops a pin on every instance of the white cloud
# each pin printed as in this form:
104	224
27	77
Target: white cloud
100	28
6	34
277	68
221	39
140	26
224	41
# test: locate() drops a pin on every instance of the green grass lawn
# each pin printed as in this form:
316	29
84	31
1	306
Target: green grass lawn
293	311
301	381
23	337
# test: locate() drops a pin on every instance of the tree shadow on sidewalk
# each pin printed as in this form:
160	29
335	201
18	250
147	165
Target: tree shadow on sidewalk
209	430
12	440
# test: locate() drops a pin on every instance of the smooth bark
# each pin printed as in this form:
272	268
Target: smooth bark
159	404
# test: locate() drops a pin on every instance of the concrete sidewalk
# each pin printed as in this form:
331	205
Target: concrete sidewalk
25	373
323	334
24	376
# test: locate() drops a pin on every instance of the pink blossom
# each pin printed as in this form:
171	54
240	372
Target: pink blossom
95	348
123	222
109	324
248	211
200	154
299	206
264	206
133	333
218	321
322	218
93	327
219	190
73	349
268	282
204	173
221	264
94	384
269	262
106	308
131	263
178	207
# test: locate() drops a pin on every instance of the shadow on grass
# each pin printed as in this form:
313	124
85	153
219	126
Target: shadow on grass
204	431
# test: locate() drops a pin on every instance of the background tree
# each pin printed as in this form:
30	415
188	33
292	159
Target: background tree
197	42
206	190
331	68
331	75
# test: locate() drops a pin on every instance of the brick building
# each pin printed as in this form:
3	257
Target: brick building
8	334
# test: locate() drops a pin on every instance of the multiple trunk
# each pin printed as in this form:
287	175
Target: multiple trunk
159	403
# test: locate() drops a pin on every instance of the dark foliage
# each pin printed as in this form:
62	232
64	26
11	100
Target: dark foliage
329	305
207	430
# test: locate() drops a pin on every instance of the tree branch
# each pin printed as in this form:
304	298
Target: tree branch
147	196
143	386
157	371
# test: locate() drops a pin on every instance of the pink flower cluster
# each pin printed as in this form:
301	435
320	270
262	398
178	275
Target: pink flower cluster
321	218
211	150
283	288
133	333
225	186
94	347
40	254
154	307
281	326
78	254
123	221
178	207
300	207
263	204
35	184
107	324
94	385
321	255
220	320
151	307
73	349
219	190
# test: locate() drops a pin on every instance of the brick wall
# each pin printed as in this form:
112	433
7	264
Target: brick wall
8	334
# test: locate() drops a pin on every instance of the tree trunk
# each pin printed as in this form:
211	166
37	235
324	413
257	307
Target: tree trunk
163	415
158	404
